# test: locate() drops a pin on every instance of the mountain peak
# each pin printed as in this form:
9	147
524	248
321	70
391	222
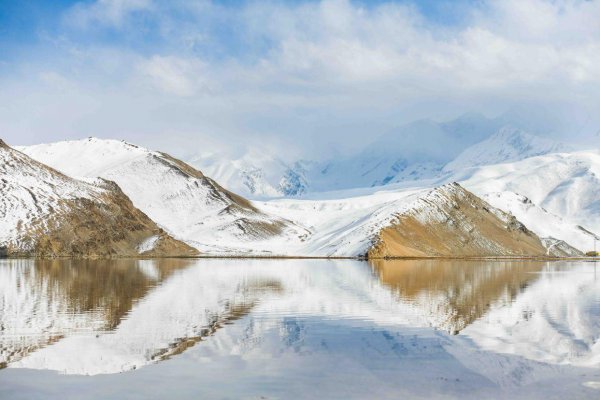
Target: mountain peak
508	144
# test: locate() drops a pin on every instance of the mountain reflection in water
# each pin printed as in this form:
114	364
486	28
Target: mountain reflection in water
488	325
455	293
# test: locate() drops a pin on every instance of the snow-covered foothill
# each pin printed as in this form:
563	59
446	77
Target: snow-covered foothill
196	209
566	185
181	199
46	213
545	224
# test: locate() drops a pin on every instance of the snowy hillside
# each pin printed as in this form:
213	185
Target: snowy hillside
182	200
507	145
46	213
450	221
566	185
352	225
543	223
551	195
194	208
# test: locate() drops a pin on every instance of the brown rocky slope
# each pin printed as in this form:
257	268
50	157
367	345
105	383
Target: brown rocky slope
45	214
452	222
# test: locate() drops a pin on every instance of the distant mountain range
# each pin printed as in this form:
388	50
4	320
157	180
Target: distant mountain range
517	194
507	145
194	209
424	149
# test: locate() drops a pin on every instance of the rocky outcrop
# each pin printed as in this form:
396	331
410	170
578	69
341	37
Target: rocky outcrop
47	214
451	222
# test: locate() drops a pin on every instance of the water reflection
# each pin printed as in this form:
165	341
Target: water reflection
45	300
518	321
456	292
556	320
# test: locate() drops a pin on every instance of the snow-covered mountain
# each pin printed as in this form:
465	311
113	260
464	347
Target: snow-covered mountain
552	194
181	199
194	208
45	213
451	221
420	150
507	145
253	174
357	225
261	176
403	154
414	151
545	224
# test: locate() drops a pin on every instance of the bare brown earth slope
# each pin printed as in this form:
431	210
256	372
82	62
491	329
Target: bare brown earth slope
452	222
44	213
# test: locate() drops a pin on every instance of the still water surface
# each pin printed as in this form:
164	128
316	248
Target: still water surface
299	329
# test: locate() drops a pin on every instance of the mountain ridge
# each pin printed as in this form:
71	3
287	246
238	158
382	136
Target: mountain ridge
509	144
403	154
181	199
194	208
450	221
47	214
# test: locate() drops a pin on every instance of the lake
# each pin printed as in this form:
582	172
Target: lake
294	329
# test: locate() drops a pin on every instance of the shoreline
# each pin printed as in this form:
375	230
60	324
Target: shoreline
356	258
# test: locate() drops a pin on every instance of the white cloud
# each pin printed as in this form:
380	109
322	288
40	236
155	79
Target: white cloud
174	75
358	44
333	71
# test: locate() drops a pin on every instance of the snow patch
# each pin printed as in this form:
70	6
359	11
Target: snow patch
148	244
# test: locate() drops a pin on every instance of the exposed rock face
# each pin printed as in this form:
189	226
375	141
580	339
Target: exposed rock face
47	214
452	222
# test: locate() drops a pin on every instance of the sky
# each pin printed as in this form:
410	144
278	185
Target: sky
302	78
